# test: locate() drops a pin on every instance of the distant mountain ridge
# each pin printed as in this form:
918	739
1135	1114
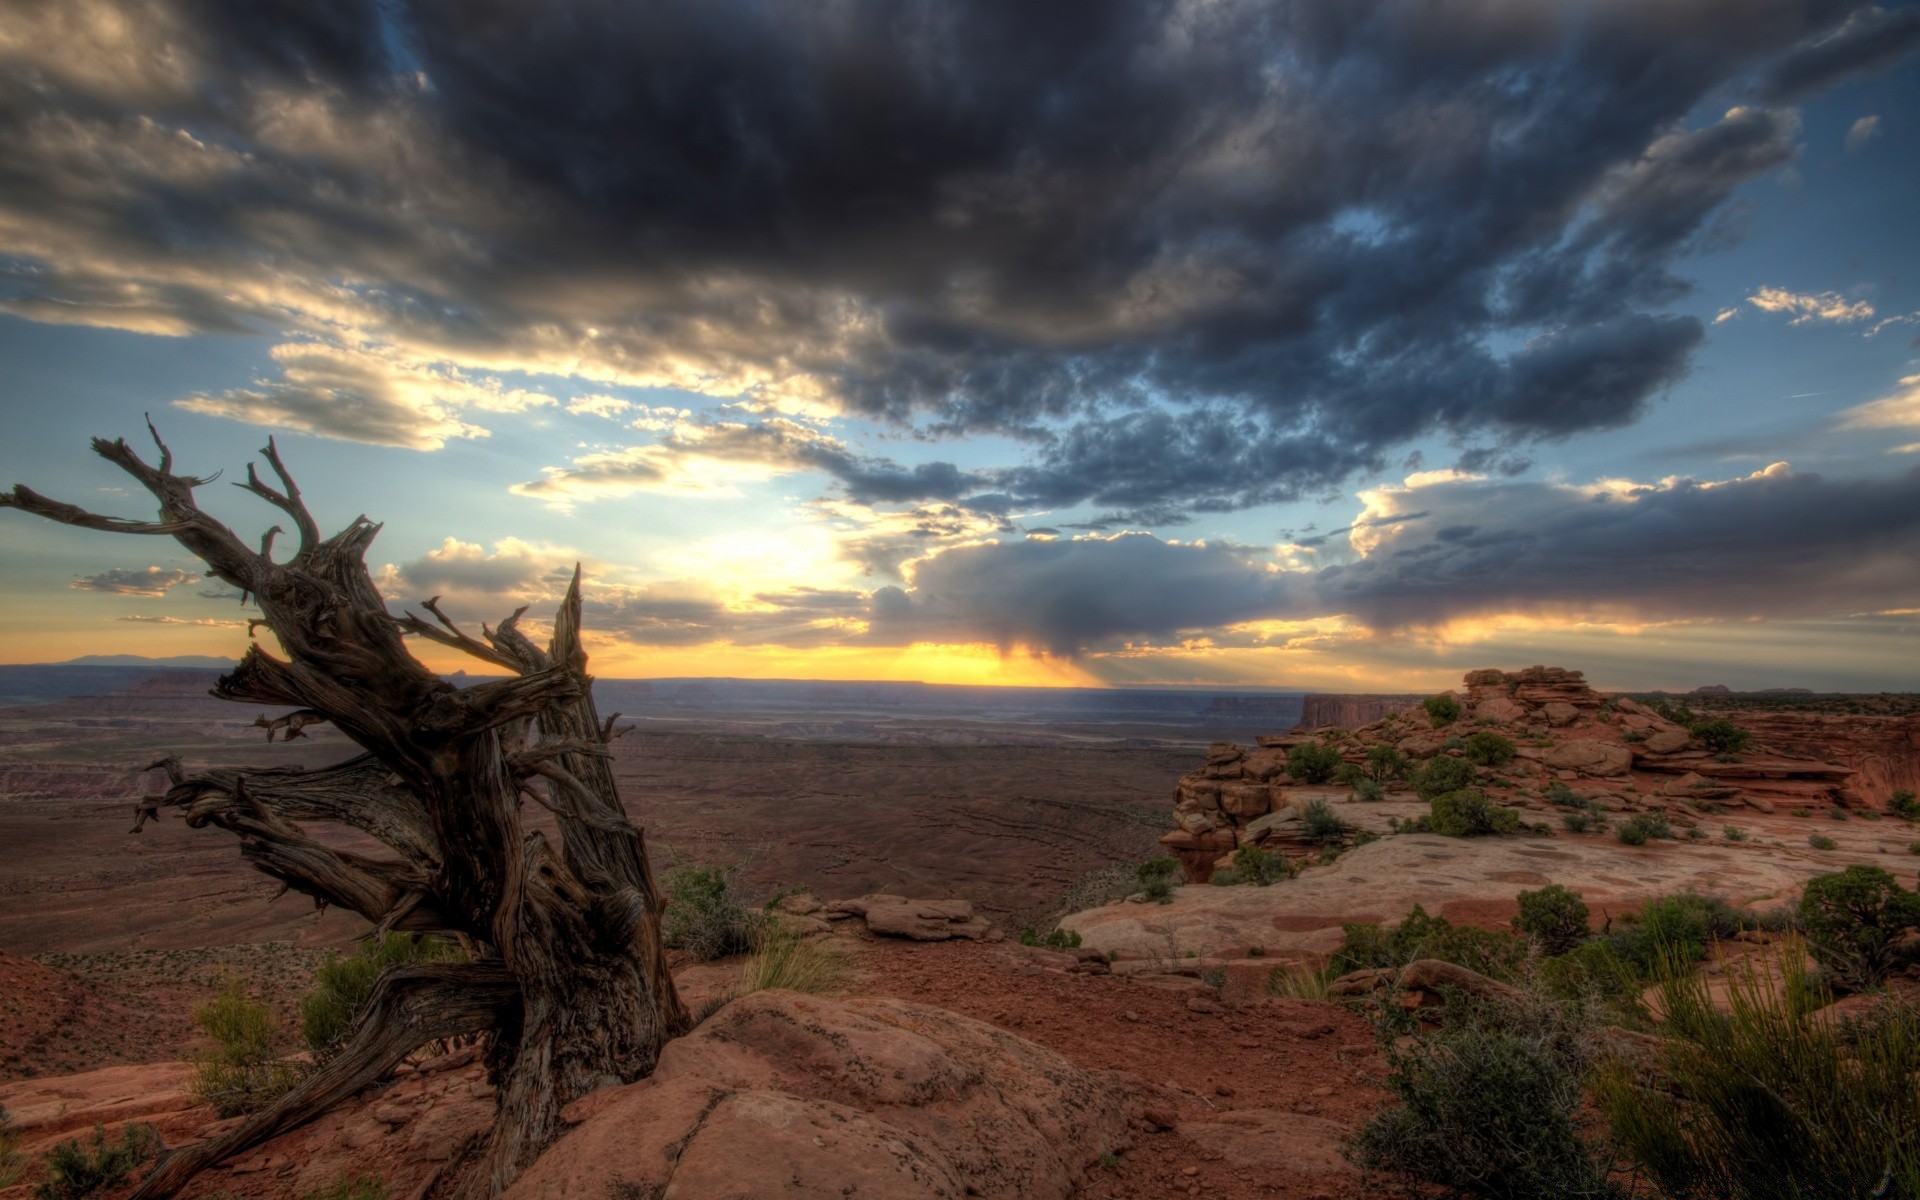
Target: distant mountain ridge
179	662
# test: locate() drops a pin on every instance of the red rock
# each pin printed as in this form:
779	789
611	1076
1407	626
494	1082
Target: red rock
783	1095
1590	756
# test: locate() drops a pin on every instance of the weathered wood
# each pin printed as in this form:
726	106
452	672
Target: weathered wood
569	976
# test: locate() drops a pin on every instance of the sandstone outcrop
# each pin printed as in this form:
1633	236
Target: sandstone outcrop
784	1095
917	920
1610	751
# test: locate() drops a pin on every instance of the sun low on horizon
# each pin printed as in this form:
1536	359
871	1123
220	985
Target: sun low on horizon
1340	347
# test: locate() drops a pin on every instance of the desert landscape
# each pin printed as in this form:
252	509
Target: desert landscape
911	600
113	939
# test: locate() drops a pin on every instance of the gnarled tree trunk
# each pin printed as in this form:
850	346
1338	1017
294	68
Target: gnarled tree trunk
568	978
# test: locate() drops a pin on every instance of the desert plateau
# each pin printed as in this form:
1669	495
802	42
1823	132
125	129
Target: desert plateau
990	889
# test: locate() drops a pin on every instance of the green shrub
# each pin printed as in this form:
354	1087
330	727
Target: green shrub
1820	841
76	1169
1319	823
1057	939
1562	796
12	1163
1734	833
1440	775
1488	749
343	984
1468	813
703	918
1676	928
1593	973
1581	822
1314	762
1258	866
1300	982
1854	921
1156	878
1442	709
1487	951
1555	918
1721	735
1750	1099
784	958
1837	814
1385	763
1639	828
1903	804
242	1073
1487	1105
1368	791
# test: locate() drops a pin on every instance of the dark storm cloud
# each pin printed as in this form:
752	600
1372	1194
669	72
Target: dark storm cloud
1775	544
1772	545
1872	39
1201	255
1067	596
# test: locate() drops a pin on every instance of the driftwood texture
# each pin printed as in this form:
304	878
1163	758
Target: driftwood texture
568	979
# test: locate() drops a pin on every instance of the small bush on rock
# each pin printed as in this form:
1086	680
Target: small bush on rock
1488	749
1676	928
1468	813
1156	878
1487	1105
1319	823
1385	763
1440	775
1555	918
1313	763
77	1170
1721	735
1638	829
343	984
1056	939
1490	952
1855	920
1442	709
784	958
1368	791
1260	867
1581	822
1903	804
1820	841
703	918
241	1074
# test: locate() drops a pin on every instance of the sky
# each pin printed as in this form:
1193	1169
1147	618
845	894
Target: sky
1344	345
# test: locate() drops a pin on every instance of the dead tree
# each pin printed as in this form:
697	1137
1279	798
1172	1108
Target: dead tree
567	980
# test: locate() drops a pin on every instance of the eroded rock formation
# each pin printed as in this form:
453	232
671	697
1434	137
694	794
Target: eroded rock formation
1568	741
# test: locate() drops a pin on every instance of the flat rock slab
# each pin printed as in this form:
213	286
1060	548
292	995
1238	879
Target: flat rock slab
1472	880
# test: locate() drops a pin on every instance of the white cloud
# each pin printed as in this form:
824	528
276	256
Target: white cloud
609	407
1810	306
1899	409
370	393
1861	132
